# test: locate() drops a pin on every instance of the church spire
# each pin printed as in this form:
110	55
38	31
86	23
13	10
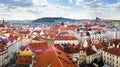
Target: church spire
3	21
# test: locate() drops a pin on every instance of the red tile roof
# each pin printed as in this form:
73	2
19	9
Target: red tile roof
80	47
58	46
24	60
54	58
37	31
70	28
115	51
38	38
96	29
2	25
24	32
90	51
65	38
114	41
89	42
98	46
103	43
38	48
70	48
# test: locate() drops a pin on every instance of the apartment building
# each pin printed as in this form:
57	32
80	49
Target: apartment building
111	56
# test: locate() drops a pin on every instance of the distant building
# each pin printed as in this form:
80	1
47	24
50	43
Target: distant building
113	33
37	39
66	39
3	25
97	19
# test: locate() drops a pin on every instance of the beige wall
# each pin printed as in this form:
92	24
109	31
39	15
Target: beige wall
82	56
50	42
111	59
90	58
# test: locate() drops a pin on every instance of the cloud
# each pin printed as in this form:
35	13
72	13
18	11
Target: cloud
39	8
70	1
21	3
32	9
95	8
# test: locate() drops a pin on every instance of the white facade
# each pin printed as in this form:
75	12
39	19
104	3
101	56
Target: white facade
13	48
113	34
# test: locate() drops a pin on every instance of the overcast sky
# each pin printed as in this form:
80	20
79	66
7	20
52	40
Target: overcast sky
77	9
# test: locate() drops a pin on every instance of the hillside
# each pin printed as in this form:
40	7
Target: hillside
54	20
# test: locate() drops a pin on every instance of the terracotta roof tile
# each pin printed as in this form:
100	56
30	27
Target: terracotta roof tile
24	60
65	38
24	32
115	51
38	38
58	46
90	51
114	41
53	57
38	48
2	25
89	42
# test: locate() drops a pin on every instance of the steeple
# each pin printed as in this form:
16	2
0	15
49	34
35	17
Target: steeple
3	21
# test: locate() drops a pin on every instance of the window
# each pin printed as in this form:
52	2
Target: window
113	65
117	57
117	62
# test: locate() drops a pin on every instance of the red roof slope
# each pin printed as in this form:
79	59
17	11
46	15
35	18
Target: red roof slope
65	38
115	51
24	60
38	48
90	51
54	58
